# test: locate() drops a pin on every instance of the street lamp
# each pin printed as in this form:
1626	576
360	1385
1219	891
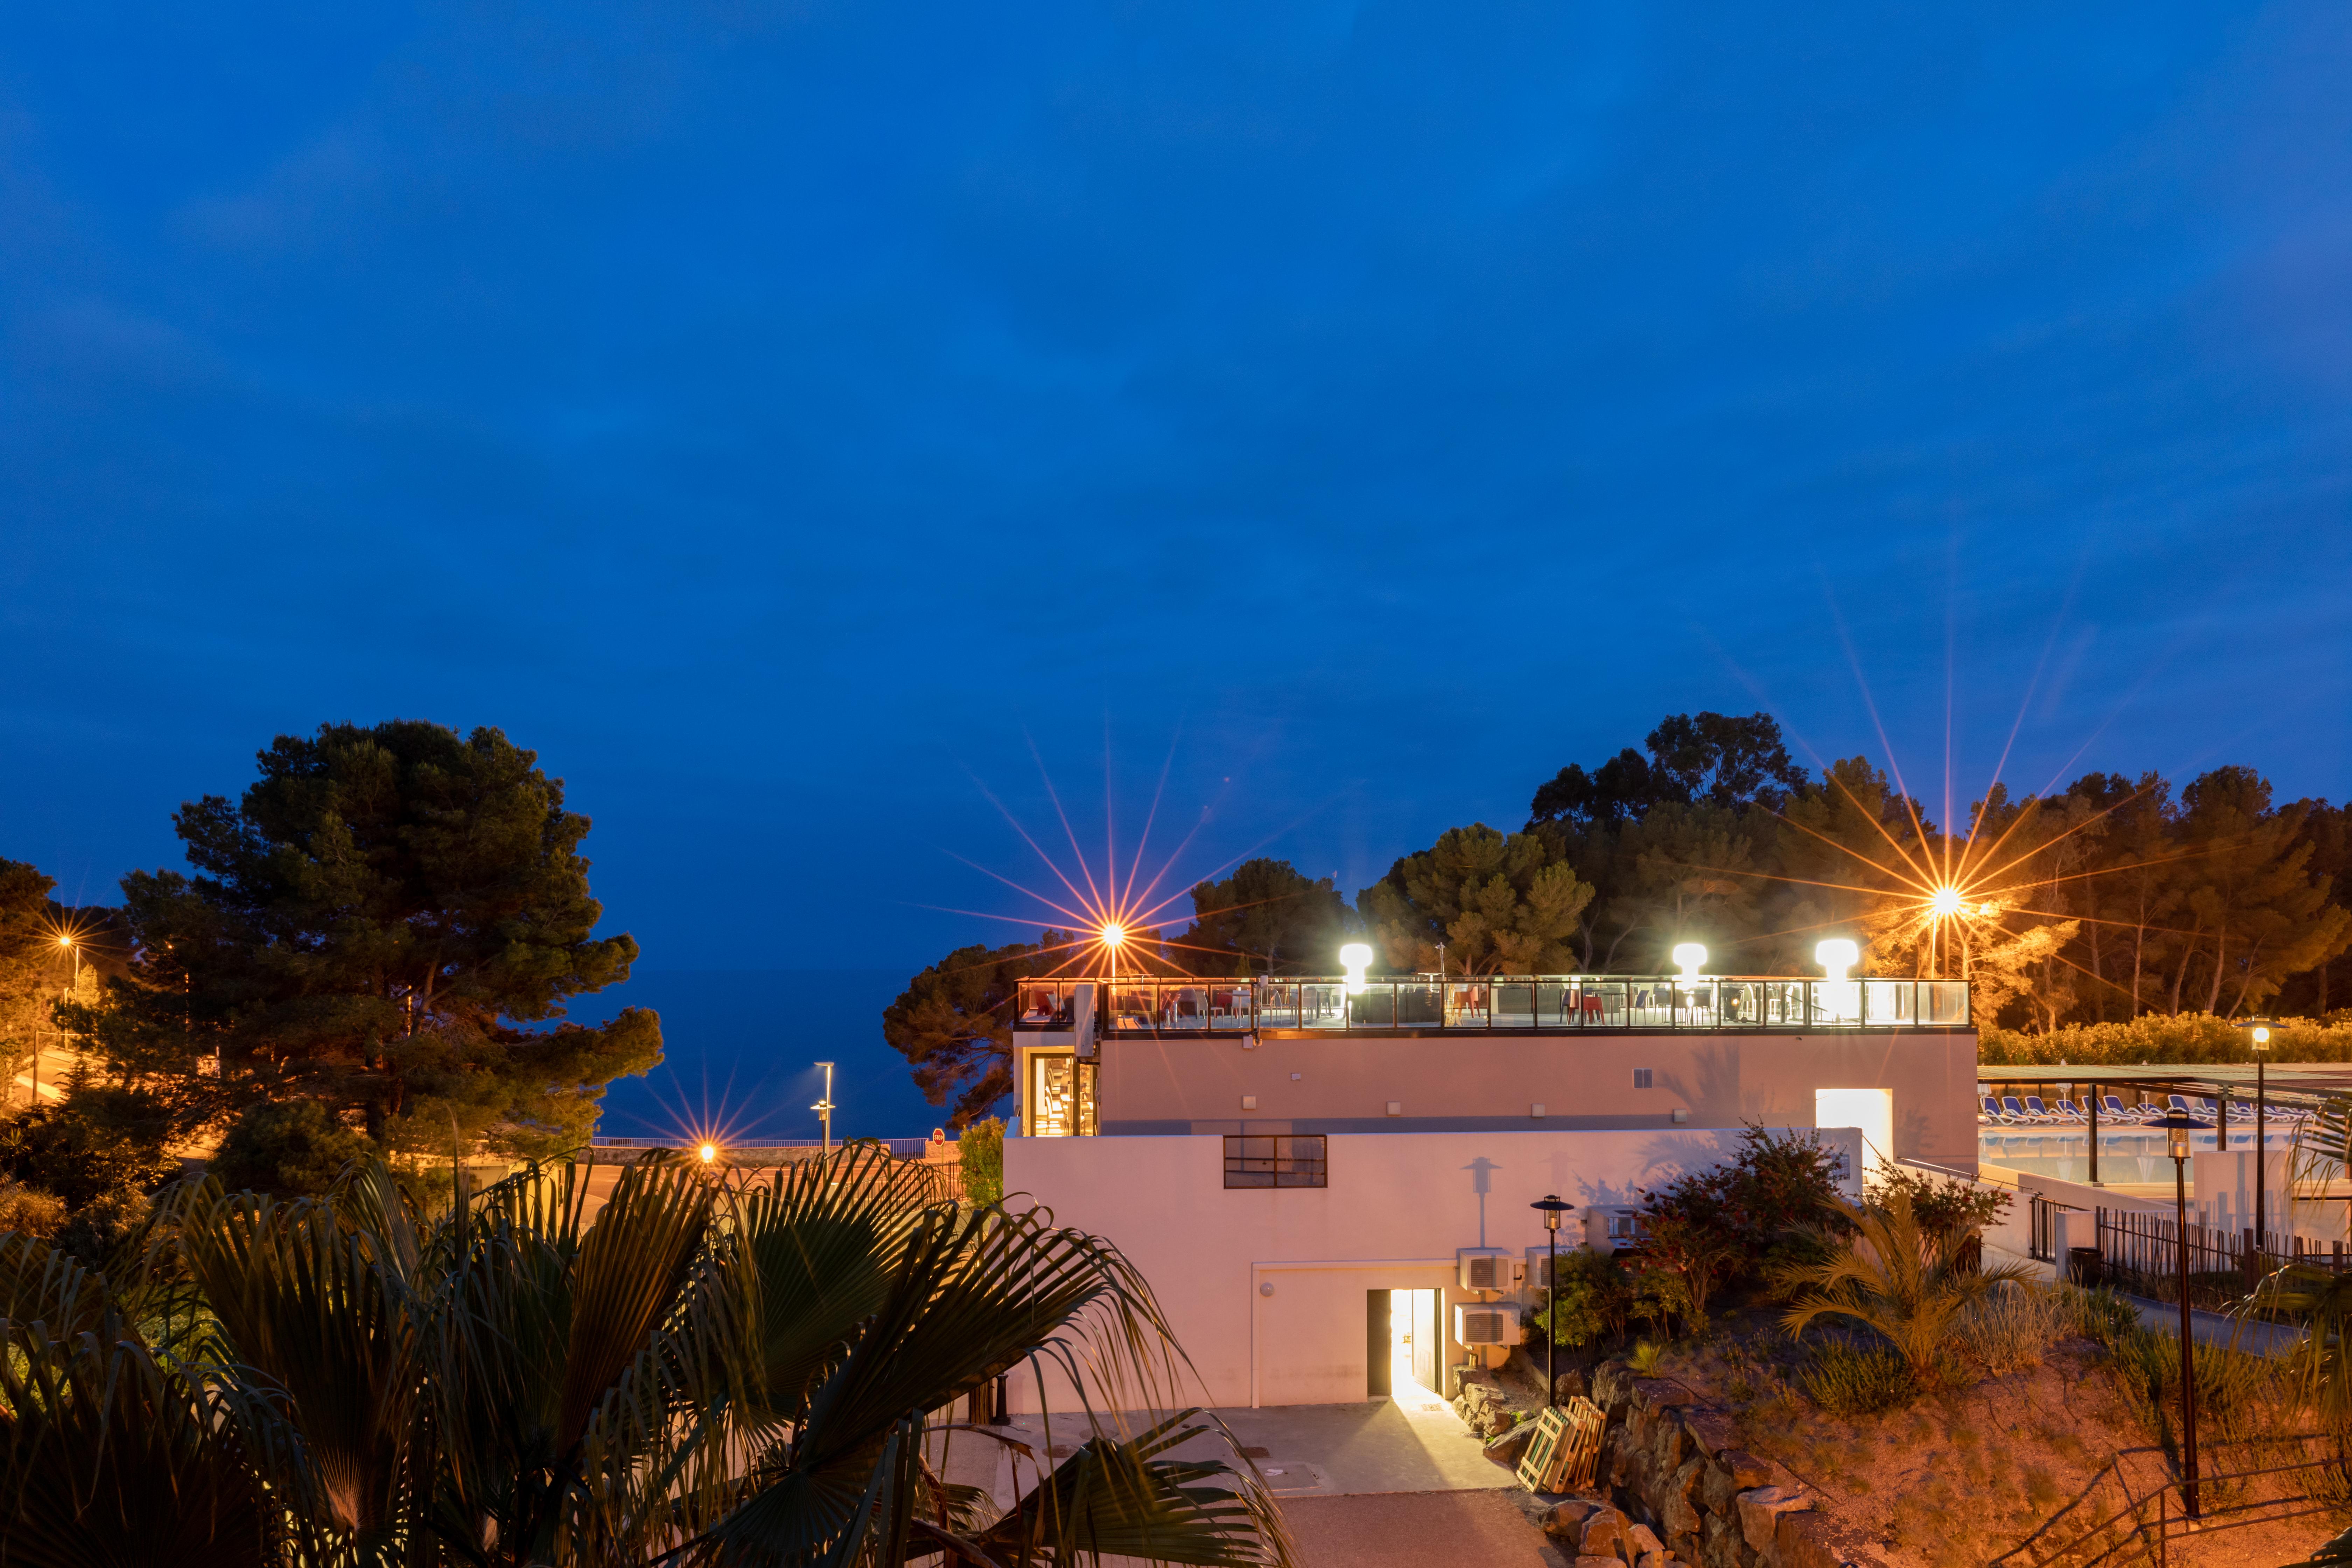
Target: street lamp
1551	1207
2177	1128
2261	1040
823	1107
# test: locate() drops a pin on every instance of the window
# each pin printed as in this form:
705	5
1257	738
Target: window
1641	1077
1275	1160
1625	1229
1064	1101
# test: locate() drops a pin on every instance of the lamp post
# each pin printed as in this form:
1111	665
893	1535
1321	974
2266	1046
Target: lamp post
2176	1128
2261	1037
1552	1208
823	1107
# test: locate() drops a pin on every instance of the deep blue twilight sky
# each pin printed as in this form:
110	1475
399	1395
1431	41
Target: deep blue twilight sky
781	416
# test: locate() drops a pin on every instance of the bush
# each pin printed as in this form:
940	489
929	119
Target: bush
2190	1037
92	1144
1946	1206
1846	1380
2008	1328
28	1211
1590	1300
980	1148
289	1150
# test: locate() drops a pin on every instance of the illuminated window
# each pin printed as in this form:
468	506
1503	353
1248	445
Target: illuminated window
1062	1099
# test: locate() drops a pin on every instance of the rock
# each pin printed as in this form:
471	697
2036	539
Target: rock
1567	1516
1730	1473
1568	1385
1600	1562
1643	1541
1719	1544
1603	1534
1505	1448
1788	1534
1677	1510
1711	1430
1611	1383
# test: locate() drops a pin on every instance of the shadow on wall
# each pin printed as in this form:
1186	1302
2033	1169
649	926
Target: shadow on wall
1482	1181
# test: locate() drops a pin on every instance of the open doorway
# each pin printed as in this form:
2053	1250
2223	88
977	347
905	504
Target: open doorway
1401	1344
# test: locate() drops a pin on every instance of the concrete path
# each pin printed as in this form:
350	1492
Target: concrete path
1413	1445
1481	1527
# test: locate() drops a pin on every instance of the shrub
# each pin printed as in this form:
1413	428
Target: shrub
1946	1205
2008	1327
980	1148
90	1145
1893	1278
1590	1300
2187	1037
289	1150
28	1211
1846	1380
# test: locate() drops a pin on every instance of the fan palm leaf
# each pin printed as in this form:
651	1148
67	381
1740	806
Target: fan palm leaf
109	1458
1894	1277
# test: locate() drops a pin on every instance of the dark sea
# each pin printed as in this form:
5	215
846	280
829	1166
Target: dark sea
739	1044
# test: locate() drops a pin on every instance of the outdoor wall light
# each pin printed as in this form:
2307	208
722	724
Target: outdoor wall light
1836	956
1355	958
708	1153
1688	956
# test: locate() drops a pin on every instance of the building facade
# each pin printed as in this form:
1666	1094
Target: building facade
1327	1183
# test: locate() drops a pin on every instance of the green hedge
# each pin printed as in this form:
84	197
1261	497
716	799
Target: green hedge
2190	1037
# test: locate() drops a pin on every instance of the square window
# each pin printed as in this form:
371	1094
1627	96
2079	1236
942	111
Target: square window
1641	1077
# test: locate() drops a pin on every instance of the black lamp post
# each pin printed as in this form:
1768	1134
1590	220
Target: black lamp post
2261	1038
1552	1208
2176	1128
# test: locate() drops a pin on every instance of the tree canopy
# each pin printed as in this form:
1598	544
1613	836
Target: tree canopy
376	924
954	1021
1267	918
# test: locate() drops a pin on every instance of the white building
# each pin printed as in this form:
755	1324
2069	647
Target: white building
1307	1170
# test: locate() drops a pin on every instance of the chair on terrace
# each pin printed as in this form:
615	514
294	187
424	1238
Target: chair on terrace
2039	1111
1988	1110
2114	1106
2017	1112
2069	1111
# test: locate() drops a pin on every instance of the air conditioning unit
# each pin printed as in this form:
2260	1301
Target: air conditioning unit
1539	1264
1497	1323
1484	1267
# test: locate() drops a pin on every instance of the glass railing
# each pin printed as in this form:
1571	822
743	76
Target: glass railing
1503	1003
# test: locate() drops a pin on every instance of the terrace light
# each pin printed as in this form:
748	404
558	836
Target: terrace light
1355	958
1947	902
1688	956
1837	956
1113	935
708	1153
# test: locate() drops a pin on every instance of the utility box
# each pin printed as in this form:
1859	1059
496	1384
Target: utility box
1487	1323
1483	1267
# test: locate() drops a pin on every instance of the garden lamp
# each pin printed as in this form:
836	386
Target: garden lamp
2176	1127
1552	1207
1355	958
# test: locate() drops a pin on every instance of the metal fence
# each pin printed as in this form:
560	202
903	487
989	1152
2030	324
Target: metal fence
2139	1253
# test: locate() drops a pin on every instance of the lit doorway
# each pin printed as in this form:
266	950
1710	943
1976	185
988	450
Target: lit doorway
1401	1344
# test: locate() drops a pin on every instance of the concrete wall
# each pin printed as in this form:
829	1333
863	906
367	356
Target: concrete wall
1398	1206
1466	1082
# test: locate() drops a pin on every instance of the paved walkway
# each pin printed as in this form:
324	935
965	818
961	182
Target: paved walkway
1482	1526
1412	1445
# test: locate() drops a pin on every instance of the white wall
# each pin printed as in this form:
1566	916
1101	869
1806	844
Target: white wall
1397	1208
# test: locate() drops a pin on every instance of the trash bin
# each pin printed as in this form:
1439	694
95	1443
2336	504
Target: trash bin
2082	1266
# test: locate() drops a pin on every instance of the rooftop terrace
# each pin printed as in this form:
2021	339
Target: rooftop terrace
1489	1005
